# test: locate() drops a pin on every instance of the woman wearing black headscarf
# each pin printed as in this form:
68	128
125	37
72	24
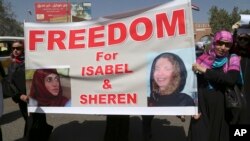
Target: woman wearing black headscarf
167	80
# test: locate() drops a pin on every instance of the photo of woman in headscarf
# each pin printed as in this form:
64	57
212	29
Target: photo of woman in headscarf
46	89
167	80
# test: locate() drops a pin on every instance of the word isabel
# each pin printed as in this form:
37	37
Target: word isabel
105	70
128	98
161	26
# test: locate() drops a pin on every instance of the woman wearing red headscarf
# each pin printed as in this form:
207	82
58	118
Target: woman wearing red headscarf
46	89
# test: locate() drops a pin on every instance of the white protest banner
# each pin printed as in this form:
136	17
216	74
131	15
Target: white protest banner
245	19
135	63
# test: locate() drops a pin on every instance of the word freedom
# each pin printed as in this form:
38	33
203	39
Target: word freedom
110	34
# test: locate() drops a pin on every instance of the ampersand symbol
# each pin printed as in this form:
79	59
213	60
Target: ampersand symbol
106	84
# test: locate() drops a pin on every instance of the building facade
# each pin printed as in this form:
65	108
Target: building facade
201	30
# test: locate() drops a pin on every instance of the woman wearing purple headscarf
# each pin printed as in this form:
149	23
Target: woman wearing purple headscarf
215	69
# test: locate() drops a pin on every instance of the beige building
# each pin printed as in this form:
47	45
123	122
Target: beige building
201	30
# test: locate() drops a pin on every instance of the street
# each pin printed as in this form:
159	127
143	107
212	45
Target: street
69	127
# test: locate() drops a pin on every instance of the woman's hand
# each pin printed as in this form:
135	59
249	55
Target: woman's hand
182	118
24	98
197	116
197	68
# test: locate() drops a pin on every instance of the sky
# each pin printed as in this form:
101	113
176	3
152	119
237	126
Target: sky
109	7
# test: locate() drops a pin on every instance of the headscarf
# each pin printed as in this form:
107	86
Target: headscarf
17	59
40	93
210	60
242	47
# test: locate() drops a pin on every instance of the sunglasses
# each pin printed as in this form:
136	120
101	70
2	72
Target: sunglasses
17	48
221	43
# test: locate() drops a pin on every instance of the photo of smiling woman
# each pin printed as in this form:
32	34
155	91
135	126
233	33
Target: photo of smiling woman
46	89
167	80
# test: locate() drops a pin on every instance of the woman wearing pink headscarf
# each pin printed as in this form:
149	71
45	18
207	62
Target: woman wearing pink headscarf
46	89
215	69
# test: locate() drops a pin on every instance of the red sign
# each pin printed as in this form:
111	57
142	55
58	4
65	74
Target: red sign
53	11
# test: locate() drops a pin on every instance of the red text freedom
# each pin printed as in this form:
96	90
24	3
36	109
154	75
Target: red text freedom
161	26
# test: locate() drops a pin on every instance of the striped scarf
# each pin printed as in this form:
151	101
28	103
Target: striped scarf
208	61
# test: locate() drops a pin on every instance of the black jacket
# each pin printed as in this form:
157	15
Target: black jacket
16	75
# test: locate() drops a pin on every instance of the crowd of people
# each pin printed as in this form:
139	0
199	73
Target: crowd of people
222	65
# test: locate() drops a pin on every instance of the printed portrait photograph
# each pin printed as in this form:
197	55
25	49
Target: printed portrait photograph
167	79
49	87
